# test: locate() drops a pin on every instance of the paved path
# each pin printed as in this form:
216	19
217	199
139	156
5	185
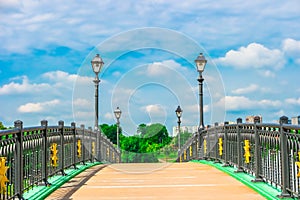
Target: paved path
154	181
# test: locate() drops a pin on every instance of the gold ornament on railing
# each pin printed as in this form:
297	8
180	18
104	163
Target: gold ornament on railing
298	164
93	149
220	146
78	148
53	152
205	147
247	154
191	151
3	178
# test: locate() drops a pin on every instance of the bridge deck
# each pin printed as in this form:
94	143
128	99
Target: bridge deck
154	181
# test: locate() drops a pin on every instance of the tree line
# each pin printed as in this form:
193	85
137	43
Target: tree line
147	144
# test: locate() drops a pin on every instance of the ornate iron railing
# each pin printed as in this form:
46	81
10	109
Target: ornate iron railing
29	156
269	152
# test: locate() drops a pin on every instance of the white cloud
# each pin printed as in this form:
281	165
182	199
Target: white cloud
24	87
62	78
195	108
109	116
246	90
162	68
291	46
293	101
237	103
155	109
267	73
38	107
82	102
253	56
292	49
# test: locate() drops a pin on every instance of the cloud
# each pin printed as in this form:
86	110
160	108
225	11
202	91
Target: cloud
62	78
293	101
267	73
24	87
82	102
162	68
38	107
246	90
109	116
238	103
154	110
291	48
254	56
195	108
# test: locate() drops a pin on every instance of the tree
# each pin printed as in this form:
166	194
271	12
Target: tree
2	127
111	132
141	130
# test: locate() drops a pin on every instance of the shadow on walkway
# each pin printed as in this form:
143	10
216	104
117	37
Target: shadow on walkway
69	188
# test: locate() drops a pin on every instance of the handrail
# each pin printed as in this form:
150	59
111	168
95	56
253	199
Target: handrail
269	152
30	155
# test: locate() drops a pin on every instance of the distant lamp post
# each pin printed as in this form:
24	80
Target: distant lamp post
200	63
178	113
97	64
118	113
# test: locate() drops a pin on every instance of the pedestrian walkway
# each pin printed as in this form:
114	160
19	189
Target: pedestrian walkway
154	181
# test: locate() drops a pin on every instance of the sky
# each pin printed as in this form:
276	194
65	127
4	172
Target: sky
149	48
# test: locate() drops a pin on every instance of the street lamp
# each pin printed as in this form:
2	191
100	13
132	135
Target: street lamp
200	63
97	64
118	113
178	113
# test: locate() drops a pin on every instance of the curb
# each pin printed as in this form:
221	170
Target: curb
262	188
41	192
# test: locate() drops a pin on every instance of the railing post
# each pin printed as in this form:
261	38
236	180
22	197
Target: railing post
83	144
73	126
195	150
216	142
91	146
225	147
239	150
19	159
98	145
44	124
199	143
257	156
62	147
285	178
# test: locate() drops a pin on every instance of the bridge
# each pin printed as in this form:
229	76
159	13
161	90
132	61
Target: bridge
36	162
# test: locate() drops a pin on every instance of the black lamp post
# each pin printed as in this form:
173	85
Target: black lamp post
200	63
97	64
178	113
118	113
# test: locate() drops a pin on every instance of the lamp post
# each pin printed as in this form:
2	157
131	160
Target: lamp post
97	64
178	113
200	63
118	113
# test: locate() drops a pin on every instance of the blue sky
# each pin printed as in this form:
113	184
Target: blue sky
252	48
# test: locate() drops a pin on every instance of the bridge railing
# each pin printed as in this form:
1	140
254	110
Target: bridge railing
29	156
269	152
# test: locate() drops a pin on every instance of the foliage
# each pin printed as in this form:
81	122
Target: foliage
111	132
183	138
2	127
143	146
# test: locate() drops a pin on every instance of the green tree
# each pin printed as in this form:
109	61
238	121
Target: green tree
111	132
2	127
